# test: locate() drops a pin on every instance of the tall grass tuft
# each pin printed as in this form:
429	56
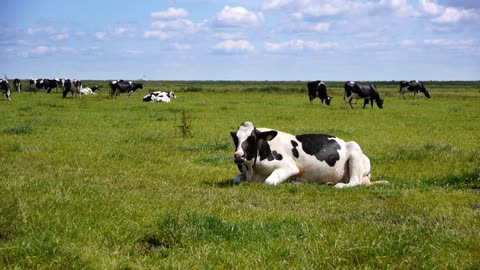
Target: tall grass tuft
20	129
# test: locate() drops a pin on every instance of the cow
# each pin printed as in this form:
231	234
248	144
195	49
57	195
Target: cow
67	87
5	88
121	86
272	157
160	96
89	90
318	89
49	84
367	91
77	86
37	84
17	85
413	86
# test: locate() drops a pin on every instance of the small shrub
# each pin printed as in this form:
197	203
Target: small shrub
185	126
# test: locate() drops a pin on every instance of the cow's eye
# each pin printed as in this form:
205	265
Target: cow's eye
251	139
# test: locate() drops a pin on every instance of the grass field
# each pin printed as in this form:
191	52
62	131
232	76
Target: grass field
101	183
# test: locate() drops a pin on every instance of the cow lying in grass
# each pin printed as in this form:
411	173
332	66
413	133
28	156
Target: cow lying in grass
160	96
271	156
89	90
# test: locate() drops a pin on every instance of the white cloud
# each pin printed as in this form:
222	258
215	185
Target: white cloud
181	47
450	43
276	4
156	35
234	46
453	15
299	45
181	25
445	14
238	17
171	13
44	50
101	36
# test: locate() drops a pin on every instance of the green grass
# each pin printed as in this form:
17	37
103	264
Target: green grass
102	183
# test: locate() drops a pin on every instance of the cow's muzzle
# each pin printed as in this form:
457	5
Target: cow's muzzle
239	158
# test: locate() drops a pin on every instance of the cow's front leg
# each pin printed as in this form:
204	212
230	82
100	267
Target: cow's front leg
280	175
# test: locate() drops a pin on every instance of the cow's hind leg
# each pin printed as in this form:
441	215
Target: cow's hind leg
358	165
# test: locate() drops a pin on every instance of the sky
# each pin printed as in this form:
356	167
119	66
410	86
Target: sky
331	40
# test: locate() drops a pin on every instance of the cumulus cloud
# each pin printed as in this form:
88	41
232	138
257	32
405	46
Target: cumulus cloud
234	46
171	13
238	17
447	14
299	45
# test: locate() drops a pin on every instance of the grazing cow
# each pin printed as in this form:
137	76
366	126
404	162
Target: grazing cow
50	84
413	86
271	156
88	90
122	86
160	96
17	85
318	89
5	88
37	84
367	91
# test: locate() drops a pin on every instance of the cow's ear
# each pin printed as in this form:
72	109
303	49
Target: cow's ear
268	135
233	134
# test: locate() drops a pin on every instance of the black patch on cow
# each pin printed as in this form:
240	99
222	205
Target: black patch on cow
274	155
320	146
294	149
264	150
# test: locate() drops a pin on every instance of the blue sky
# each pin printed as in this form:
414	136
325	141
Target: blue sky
241	40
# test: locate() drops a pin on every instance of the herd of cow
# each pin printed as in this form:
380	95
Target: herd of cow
366	91
353	90
76	88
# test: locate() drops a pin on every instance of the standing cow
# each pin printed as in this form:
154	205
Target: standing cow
37	84
122	86
5	88
17	85
367	91
318	89
413	86
271	156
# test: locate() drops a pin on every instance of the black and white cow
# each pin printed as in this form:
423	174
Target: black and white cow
67	87
5	88
121	86
413	86
49	84
367	91
17	85
37	84
77	86
89	90
318	89
160	96
271	156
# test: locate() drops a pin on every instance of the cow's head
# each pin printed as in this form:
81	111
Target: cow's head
327	101
248	140
379	103
425	91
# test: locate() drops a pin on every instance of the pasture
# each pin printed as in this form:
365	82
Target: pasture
101	183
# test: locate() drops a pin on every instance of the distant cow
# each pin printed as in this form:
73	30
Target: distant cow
77	85
367	91
49	84
271	156
17	85
160	96
318	89
5	88
67	87
37	84
88	90
122	86
413	86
